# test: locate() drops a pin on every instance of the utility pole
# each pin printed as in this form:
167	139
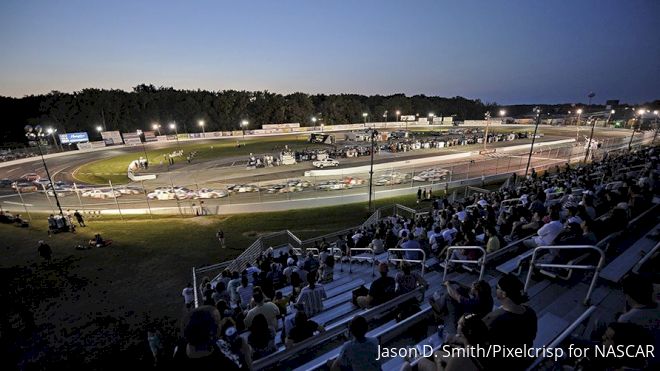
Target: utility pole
536	128
371	168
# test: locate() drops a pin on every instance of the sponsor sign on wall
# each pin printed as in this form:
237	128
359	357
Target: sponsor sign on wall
112	137
74	138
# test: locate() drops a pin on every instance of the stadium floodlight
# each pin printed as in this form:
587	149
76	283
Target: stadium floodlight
99	128
314	120
612	111
398	113
579	111
172	126
35	134
201	123
364	115
502	113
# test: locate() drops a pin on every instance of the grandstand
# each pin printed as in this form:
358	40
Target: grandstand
571	285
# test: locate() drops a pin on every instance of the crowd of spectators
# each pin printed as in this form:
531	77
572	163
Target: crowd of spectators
565	206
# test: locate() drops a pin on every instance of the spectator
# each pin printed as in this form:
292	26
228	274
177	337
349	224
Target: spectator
643	309
377	244
512	324
327	266
200	351
234	347
188	294
79	218
302	329
251	271
312	296
220	235
472	333
311	264
269	310
407	281
290	268
155	343
458	300
262	337
220	293
45	251
588	235
381	290
492	240
547	233
361	353
245	292
233	286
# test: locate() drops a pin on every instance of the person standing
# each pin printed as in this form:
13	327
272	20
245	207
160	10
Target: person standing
419	194
221	238
45	251
79	218
188	294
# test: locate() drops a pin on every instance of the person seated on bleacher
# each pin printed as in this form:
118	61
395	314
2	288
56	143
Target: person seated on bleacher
493	242
381	290
232	287
360	353
643	309
200	351
512	324
411	244
303	329
312	296
472	332
458	300
377	244
547	233
407	280
261	338
268	309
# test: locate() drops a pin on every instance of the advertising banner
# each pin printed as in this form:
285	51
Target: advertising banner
112	137
74	138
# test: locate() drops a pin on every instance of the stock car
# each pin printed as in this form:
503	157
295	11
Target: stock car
326	162
163	193
61	191
431	175
391	178
101	193
5	183
128	190
24	187
333	185
211	193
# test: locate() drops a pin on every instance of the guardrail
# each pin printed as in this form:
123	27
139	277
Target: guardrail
481	261
365	249
194	276
595	268
645	258
414	261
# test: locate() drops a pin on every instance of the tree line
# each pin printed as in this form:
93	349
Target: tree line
221	110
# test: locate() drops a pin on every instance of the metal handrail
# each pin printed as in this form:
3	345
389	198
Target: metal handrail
422	261
646	258
194	277
596	268
481	261
333	331
565	334
351	257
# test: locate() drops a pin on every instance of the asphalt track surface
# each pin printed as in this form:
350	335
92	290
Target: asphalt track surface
222	172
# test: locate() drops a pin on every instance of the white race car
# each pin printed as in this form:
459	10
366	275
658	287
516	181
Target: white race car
326	162
101	193
211	193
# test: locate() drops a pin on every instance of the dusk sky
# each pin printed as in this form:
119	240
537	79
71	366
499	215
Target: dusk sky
509	52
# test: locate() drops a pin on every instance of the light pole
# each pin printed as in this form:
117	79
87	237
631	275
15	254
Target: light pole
593	125
398	114
99	129
156	127
431	116
531	149
385	117
314	121
577	126
655	121
52	132
201	123
176	133
374	133
487	118
244	124
639	124
502	114
36	134
364	115
609	117
144	149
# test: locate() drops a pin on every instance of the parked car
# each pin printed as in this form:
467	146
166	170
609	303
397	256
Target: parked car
326	162
211	193
101	193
